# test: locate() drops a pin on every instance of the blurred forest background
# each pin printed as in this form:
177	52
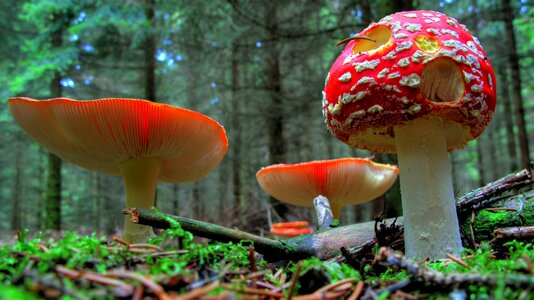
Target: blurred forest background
257	67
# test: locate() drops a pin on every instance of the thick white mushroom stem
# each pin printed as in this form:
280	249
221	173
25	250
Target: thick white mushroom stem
430	220
140	177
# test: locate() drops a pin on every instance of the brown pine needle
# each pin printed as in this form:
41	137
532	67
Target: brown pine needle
458	260
253	291
145	246
199	292
294	279
500	208
120	241
335	285
357	291
155	287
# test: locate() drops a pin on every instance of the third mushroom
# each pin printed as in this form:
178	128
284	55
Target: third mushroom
343	181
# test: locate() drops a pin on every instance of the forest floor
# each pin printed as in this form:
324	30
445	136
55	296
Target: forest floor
176	266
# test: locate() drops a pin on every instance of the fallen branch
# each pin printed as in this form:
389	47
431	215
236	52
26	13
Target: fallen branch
326	244
216	232
322	244
503	235
485	195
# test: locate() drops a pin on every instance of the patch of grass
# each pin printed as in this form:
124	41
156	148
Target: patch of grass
78	266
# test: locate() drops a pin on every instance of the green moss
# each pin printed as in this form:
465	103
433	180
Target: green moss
487	221
11	292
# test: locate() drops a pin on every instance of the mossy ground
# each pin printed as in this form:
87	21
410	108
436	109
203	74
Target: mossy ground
91	267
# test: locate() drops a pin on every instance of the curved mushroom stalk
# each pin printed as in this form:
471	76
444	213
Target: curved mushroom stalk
140	177
428	204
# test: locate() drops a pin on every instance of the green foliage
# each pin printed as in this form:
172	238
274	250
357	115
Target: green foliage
335	270
12	292
210	255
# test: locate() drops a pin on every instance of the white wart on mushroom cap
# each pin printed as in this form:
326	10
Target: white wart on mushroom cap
343	181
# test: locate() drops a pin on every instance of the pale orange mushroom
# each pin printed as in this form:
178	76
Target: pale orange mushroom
343	181
293	224
141	141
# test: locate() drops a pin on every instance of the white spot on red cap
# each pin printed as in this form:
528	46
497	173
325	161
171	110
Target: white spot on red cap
419	55
412	80
375	109
366	65
396	26
401	35
452	23
451	32
404	46
345	77
433	31
382	73
365	80
477	88
404	62
394	75
413	27
391	55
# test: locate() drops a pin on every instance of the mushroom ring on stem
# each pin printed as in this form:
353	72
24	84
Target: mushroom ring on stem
342	181
422	88
141	141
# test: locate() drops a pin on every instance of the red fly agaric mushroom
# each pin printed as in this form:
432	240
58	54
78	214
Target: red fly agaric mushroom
419	85
140	140
290	229
343	181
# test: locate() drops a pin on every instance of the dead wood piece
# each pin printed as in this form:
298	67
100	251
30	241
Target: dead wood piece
397	260
503	235
474	199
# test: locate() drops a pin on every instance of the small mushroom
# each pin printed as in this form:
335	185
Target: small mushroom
343	181
141	141
425	87
290	229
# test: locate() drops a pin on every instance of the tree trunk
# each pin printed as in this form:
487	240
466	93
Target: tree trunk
149	47
53	190
399	5
275	113
480	155
508	119
16	222
236	128
513	61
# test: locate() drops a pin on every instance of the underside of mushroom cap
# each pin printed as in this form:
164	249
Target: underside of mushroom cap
100	134
420	64
343	181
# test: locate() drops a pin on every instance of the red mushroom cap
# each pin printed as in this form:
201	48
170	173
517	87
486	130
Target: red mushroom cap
294	224
423	64
99	134
343	181
290	232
